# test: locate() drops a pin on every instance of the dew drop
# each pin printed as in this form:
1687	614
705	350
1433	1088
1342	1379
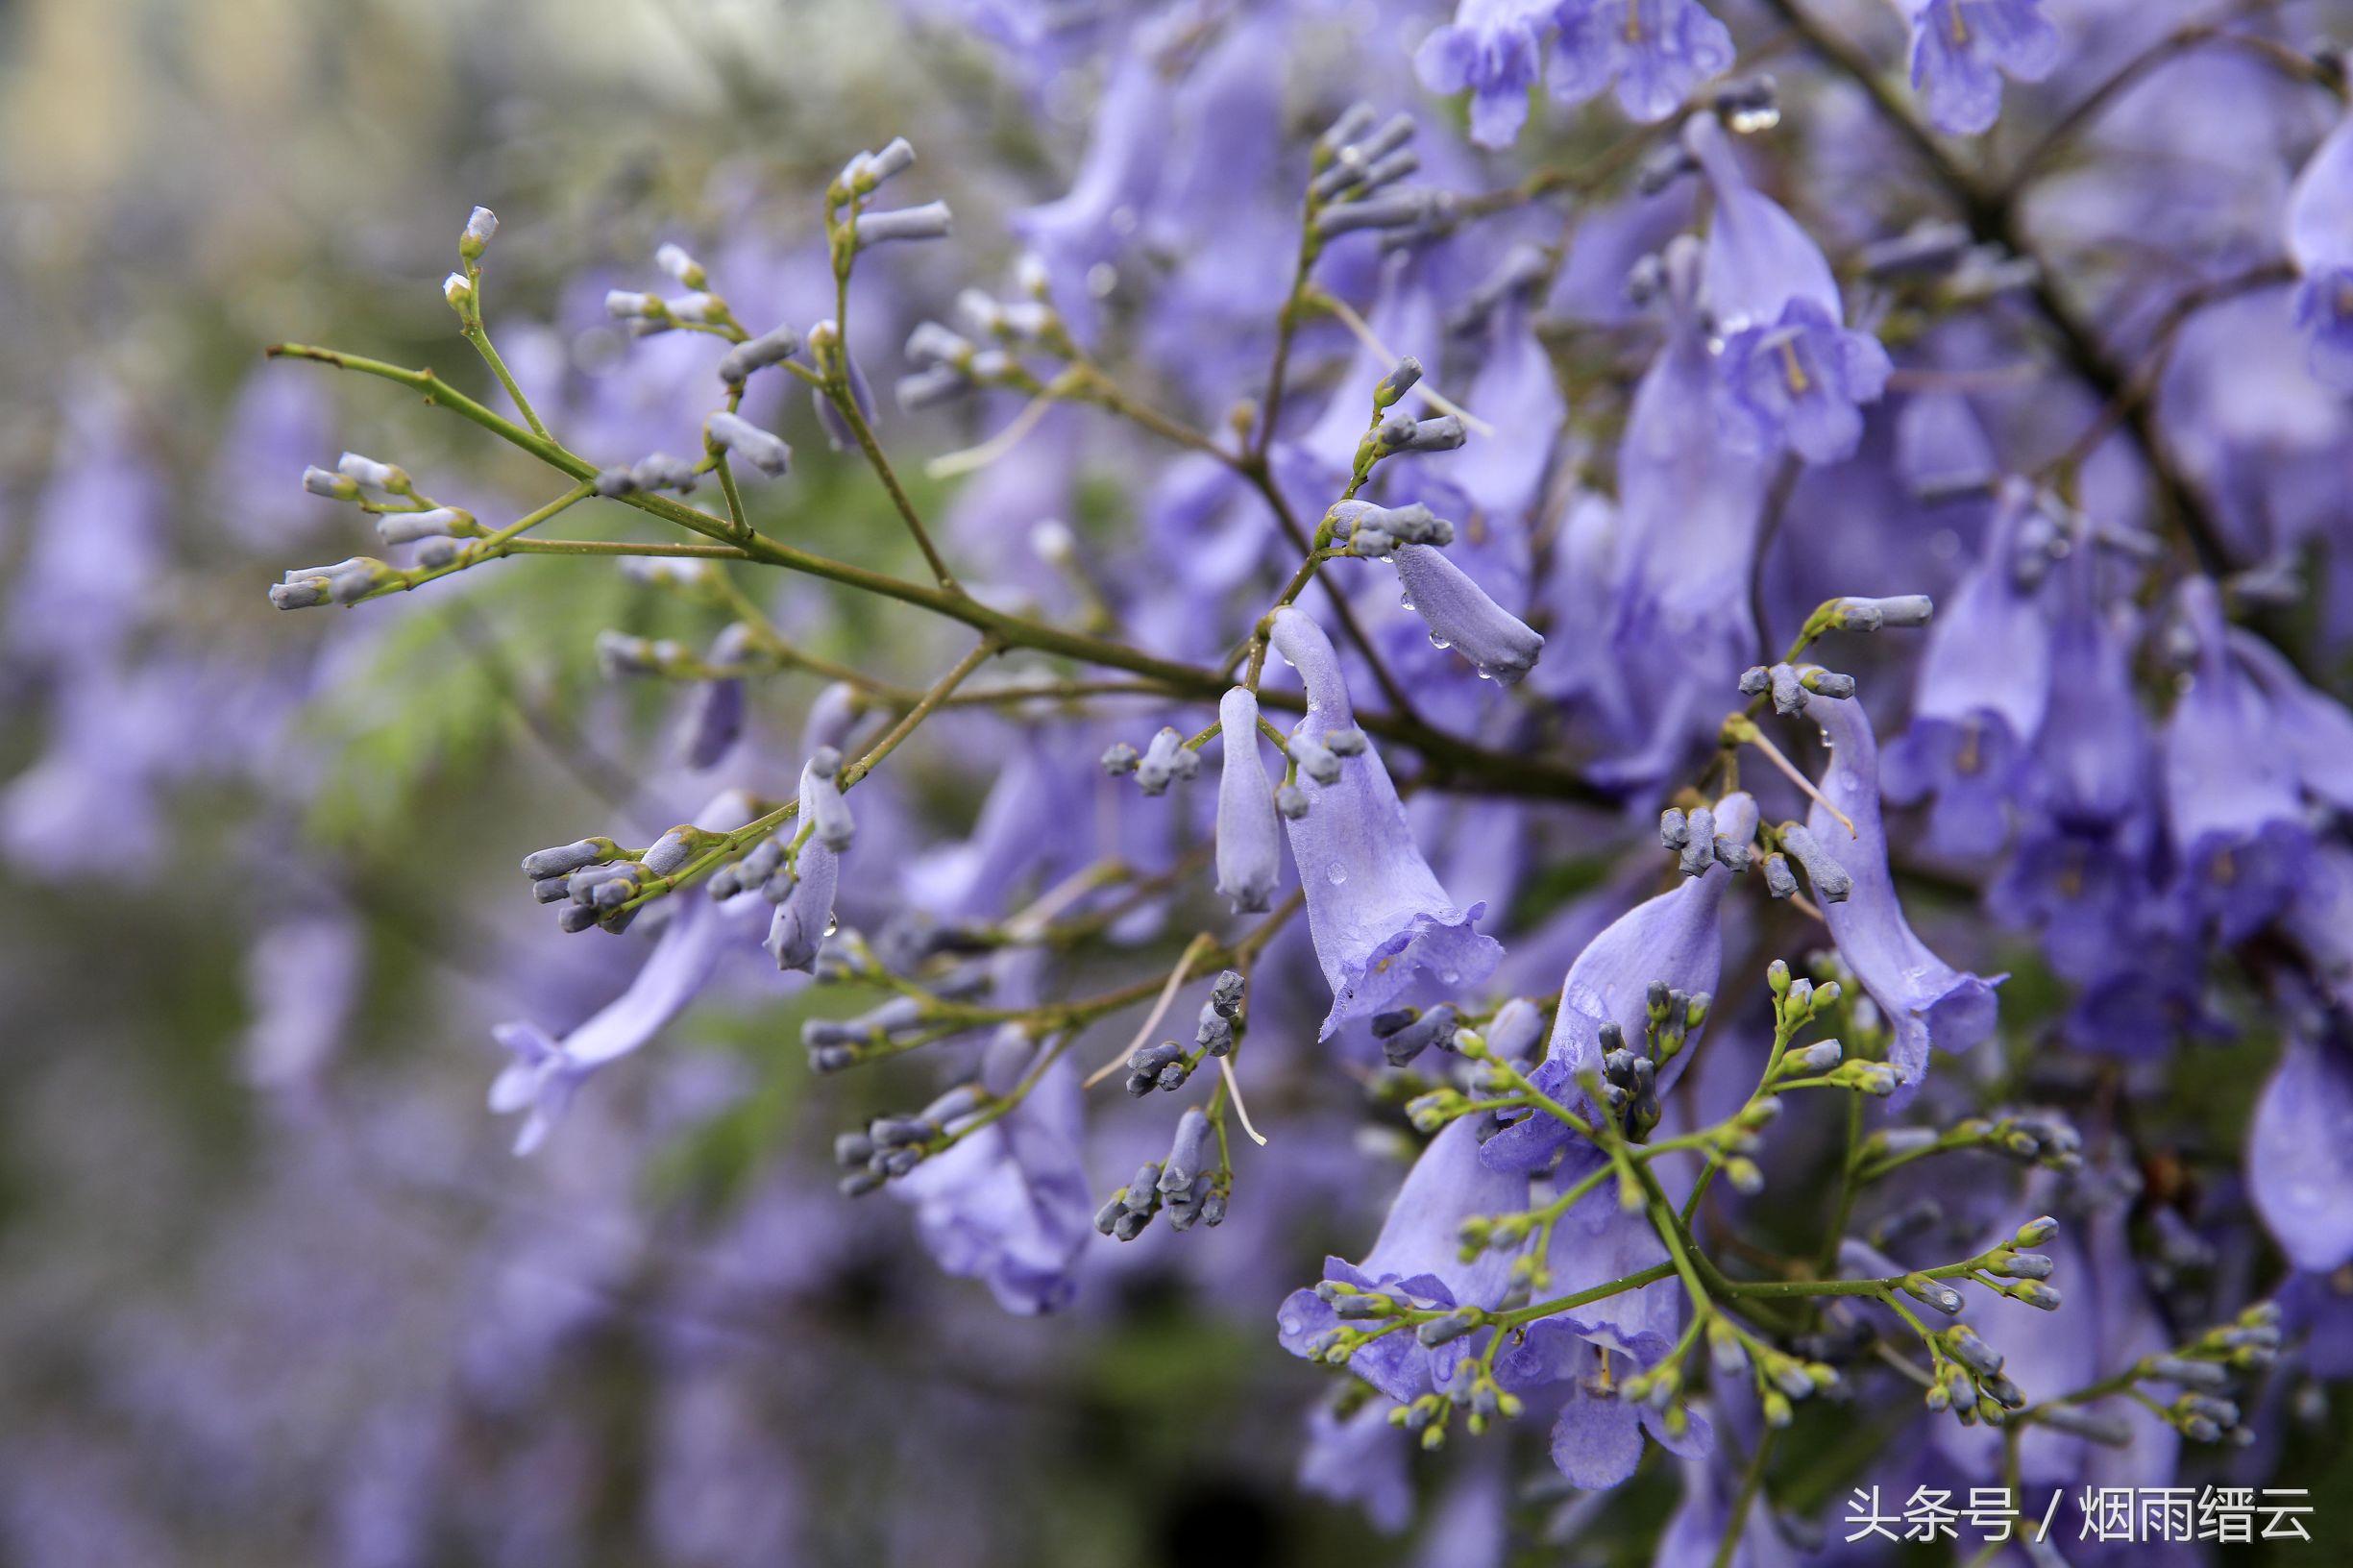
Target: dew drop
1334	875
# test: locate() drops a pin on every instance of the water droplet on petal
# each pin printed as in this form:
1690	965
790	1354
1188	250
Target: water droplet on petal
1334	875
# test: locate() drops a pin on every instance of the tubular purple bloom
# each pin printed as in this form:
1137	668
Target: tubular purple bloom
2314	726
1675	939
1376	912
1791	369
2320	235
1655	51
2299	1155
546	1074
2230	785
1984	683
1493	49
1249	834
1926	1001
1500	645
1419	1252
1961	50
1008	1205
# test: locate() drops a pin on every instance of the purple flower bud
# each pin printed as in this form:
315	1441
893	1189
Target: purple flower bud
930	221
1500	645
772	347
762	450
1249	835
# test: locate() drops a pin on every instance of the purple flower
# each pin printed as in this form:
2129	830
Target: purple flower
2093	757
1249	834
1359	1457
1492	49
1984	681
2230	785
1961	50
1377	916
1008	1205
1499	645
1675	939
1680	625
1419	1253
1791	370
2299	1154
546	1072
2320	242
1089	227
1656	50
1926	1001
2315	727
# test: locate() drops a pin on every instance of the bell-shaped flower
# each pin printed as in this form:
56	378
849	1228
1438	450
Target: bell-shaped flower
1984	683
2231	787
1961	50
1926	1001
1681	626
1420	1254
1362	1457
2299	1154
2320	242
1494	50
1376	914
1093	223
1249	833
1655	51
546	1072
1499	645
1008	1205
2315	727
1791	370
1674	940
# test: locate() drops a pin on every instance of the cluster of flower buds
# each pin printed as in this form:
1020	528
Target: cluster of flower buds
1830	881
1402	433
403	515
864	174
1167	1066
1670	1014
1793	686
1407	1031
1164	762
731	433
1363	528
1629	1085
1697	845
837	1044
1357	162
643	315
594	878
656	471
1971	1382
1187	1185
343	582
890	1146
2031	1138
2201	1370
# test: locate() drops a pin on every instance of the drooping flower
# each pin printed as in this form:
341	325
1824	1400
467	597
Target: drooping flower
1493	49
1359	1457
1792	371
1655	51
2315	727
2320	242
1461	616
2230	785
1091	225
1961	50
546	1072
1675	939
1376	912
1008	1205
1419	1253
1249	834
1681	623
1984	682
2299	1154
1926	1001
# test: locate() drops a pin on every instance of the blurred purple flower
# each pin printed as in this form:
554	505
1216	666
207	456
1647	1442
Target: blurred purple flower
1961	50
1655	51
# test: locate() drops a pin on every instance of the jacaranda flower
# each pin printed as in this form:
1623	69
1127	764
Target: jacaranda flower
1655	51
1792	370
1926	1001
2320	242
1493	49
1379	919
1961	50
